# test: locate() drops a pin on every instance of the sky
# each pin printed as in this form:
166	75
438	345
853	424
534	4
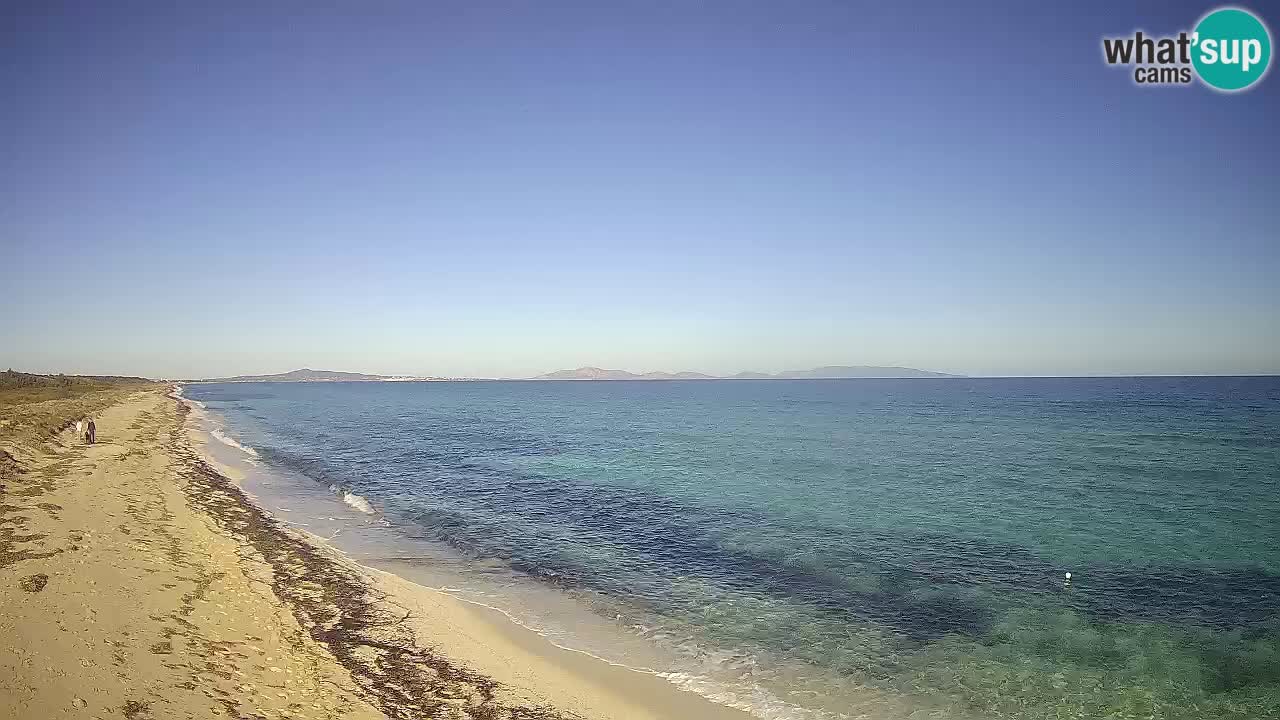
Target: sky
503	189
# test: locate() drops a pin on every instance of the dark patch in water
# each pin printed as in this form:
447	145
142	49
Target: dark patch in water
457	477
920	579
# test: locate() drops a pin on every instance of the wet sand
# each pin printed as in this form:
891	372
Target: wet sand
137	581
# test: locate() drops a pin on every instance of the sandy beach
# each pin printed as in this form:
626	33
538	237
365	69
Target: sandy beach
137	581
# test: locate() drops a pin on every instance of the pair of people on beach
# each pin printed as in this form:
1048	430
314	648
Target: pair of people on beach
90	433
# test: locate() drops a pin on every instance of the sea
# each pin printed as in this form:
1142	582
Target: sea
821	549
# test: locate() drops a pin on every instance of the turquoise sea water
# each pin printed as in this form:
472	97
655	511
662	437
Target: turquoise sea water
856	547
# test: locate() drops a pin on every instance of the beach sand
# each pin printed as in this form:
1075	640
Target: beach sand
137	581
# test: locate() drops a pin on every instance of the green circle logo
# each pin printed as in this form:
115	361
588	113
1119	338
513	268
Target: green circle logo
1231	49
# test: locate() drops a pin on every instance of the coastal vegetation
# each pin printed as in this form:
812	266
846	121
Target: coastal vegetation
34	408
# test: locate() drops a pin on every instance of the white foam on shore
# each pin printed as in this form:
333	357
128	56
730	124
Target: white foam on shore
199	411
230	441
353	500
177	395
358	503
194	404
751	699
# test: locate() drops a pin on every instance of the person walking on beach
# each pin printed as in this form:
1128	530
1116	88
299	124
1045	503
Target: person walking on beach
92	434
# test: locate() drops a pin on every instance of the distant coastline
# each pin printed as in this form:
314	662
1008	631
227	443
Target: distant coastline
826	372
585	374
309	375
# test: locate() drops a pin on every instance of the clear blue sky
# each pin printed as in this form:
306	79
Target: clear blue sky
476	188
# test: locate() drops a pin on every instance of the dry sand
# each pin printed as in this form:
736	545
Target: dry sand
136	581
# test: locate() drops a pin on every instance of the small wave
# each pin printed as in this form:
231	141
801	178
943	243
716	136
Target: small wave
222	438
356	501
749	697
193	404
753	699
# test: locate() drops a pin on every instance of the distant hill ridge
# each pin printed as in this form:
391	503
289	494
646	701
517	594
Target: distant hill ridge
827	372
309	375
595	373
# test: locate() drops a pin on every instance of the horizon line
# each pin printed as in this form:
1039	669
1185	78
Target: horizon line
771	376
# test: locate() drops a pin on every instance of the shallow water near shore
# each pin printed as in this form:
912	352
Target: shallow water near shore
821	548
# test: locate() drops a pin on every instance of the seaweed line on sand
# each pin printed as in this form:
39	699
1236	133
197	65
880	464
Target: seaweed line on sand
341	611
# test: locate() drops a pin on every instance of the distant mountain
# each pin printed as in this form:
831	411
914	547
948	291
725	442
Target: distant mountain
595	373
686	375
826	372
309	375
588	373
859	371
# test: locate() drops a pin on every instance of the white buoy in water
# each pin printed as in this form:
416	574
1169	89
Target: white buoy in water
1067	582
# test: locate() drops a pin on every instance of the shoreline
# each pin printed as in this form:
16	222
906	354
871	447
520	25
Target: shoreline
121	597
488	640
138	580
